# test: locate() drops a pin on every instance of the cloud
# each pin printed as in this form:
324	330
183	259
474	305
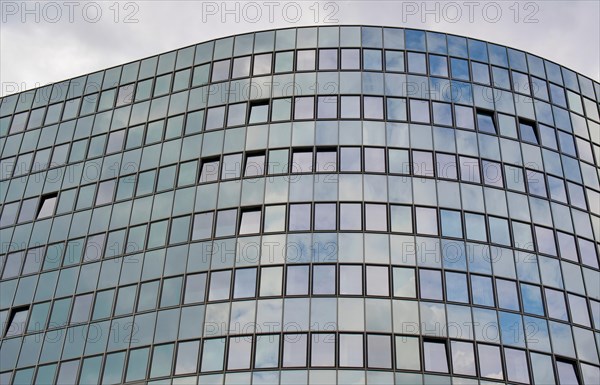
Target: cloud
45	42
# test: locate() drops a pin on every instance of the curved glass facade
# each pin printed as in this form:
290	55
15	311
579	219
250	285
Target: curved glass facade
352	205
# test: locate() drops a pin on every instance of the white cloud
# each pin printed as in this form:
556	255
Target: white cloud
39	52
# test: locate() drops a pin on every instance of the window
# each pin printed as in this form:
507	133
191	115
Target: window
245	283
259	112
241	67
426	221
436	358
350	159
250	222
302	161
323	282
325	216
299	217
373	107
431	284
442	113
438	65
567	373
485	121
326	161
262	64
532	299
305	60
274	218
220	70
376	217
219	285
270	281
516	365
236	114
226	222
294	350
379	350
255	165
202	226
463	359
350	216
419	111
304	107
297	280
351	350
195	288
209	171
327	107
416	63
351	280
528	132
483	293
214	118
16	321
46	205
350	59
490	364
469	169
240	349
350	107
323	350
328	59
394	61
374	159
378	281
422	163
451	223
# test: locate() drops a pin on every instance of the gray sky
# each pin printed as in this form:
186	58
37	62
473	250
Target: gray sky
45	42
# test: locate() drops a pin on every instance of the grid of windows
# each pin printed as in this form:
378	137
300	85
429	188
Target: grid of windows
379	205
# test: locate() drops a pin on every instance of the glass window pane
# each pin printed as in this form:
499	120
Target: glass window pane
463	359
294	350
351	350
245	283
431	284
350	159
351	280
240	349
490	365
297	280
323	281
379	349
436	358
299	217
226	222
255	165
350	216
302	161
426	221
376	217
219	285
325	216
250	222
378	281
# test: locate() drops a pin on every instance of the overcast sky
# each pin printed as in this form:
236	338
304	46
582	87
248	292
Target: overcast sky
45	42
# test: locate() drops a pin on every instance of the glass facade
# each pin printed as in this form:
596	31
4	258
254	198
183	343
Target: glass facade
320	205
